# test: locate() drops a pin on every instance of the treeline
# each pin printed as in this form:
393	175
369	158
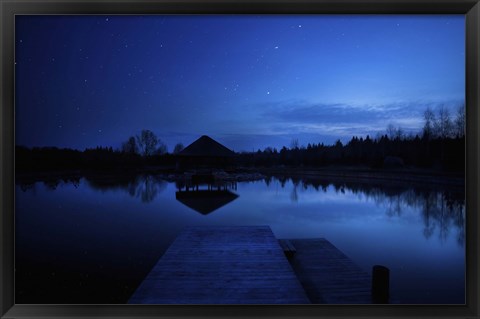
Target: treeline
101	158
138	152
440	145
384	152
147	144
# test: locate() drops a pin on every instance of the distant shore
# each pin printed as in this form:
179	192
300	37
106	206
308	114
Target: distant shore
358	174
401	176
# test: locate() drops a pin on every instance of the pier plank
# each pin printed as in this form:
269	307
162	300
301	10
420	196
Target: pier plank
328	275
222	265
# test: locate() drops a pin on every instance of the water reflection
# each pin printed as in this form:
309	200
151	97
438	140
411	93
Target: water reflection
144	187
442	209
50	183
205	201
205	197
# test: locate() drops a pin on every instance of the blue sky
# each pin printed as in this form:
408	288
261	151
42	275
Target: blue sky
247	81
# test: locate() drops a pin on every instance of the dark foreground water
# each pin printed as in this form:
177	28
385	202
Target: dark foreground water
94	241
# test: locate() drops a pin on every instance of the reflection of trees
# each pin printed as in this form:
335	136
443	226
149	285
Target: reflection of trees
428	207
149	187
268	180
283	181
50	182
294	193
27	186
145	187
442	209
394	206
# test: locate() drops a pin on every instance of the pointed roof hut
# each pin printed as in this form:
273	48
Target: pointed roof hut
205	146
205	152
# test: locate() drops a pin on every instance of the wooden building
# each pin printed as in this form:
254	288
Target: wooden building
205	153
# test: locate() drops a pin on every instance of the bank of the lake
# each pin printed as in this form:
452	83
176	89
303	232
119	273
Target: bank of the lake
337	173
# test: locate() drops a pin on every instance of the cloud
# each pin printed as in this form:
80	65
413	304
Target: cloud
256	126
328	113
341	120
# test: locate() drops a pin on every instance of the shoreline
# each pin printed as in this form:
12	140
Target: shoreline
372	176
415	177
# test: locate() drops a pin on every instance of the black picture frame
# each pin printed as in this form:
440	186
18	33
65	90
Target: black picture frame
8	10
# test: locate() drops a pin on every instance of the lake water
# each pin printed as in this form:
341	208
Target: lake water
94	241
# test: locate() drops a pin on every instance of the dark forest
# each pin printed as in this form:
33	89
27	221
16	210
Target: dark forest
440	146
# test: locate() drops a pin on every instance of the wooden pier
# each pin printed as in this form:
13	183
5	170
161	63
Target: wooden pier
248	265
327	275
222	265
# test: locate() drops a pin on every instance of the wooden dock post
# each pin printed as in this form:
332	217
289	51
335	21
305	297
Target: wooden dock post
288	249
380	284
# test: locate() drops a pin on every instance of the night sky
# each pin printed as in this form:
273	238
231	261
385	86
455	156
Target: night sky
247	81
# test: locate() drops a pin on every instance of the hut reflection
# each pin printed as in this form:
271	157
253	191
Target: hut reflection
206	198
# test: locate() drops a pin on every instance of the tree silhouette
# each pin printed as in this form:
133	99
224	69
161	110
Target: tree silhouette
178	148
394	133
294	144
161	149
429	118
443	125
147	142
130	146
460	121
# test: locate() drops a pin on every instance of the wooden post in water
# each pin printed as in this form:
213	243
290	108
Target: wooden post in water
380	284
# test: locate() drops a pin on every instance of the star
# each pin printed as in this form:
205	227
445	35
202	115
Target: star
276	47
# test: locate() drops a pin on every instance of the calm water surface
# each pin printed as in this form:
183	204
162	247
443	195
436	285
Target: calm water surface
94	242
